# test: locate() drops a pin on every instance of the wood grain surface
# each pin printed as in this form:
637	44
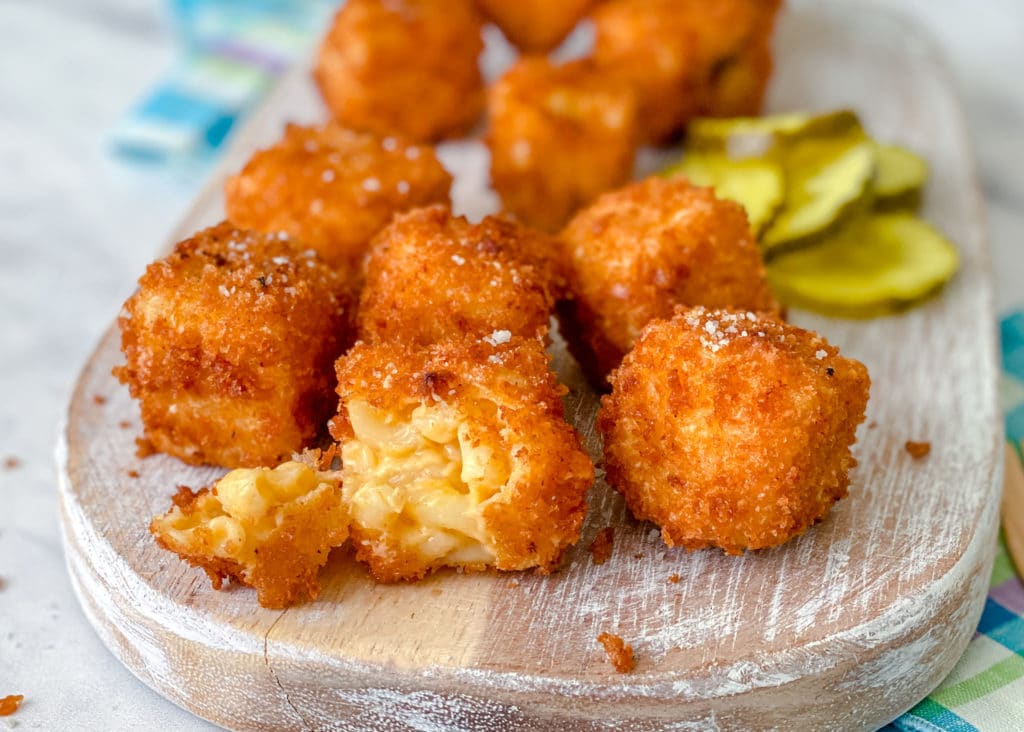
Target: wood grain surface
843	628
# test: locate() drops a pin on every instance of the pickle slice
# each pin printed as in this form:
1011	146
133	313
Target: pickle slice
900	177
747	137
878	265
828	181
756	184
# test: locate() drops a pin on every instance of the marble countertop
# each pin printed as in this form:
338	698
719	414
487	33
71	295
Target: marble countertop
77	227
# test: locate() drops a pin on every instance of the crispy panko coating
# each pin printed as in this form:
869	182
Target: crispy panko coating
636	253
270	529
432	276
333	188
404	67
559	135
731	429
686	58
458	455
229	344
535	26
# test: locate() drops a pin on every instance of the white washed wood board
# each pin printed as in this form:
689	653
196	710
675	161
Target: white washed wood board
843	628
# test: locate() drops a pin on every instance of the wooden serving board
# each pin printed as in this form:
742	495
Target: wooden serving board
845	627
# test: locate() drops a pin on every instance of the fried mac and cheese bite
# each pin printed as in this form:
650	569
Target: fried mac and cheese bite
559	135
270	529
636	253
535	26
333	188
229	345
458	455
406	67
432	276
686	58
733	430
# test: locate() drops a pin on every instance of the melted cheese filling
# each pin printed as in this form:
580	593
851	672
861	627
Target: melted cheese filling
422	479
244	507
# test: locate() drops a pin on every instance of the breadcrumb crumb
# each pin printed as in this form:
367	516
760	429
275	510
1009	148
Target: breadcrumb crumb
99	399
620	653
601	546
918	450
673	578
11	463
133	473
10	703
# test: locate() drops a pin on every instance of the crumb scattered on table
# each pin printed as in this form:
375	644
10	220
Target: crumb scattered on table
872	425
918	450
143	447
601	546
124	424
673	578
11	462
133	473
620	653
99	399
9	704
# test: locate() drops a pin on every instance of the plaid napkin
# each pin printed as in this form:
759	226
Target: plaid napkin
234	50
986	689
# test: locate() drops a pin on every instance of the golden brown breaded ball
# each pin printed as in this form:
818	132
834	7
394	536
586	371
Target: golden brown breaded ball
333	188
559	136
432	276
682	57
636	253
730	429
270	529
535	26
458	455
404	67
229	345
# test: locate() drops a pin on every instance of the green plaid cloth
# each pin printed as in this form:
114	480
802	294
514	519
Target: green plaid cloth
986	689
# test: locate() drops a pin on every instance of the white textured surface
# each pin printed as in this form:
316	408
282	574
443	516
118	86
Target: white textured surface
76	229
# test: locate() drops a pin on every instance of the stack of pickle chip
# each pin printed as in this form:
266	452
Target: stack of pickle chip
835	211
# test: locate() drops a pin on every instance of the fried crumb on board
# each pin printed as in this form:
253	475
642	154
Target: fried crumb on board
601	546
673	578
620	653
10	703
99	399
918	450
144	448
133	473
11	462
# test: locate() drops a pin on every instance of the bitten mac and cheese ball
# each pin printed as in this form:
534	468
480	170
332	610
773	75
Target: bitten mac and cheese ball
535	26
728	429
686	58
229	345
458	455
559	135
404	67
333	188
636	253
432	276
270	529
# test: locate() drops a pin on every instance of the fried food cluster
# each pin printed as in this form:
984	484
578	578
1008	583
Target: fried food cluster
730	429
636	253
535	26
229	344
687	58
404	67
333	188
458	455
269	529
432	276
559	135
